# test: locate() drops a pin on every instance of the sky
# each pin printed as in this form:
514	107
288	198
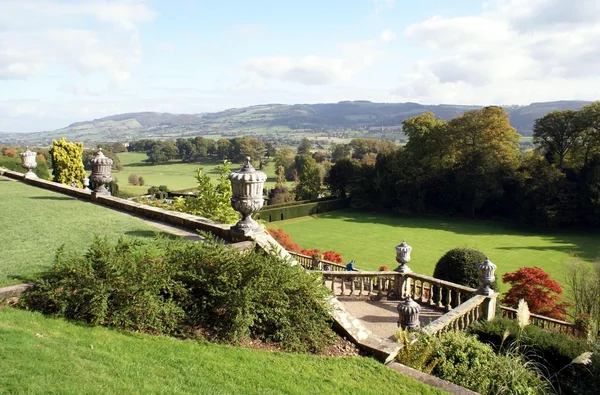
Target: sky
63	61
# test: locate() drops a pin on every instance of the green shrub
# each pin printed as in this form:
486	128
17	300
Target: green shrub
463	360
459	265
133	179
174	287
124	284
555	351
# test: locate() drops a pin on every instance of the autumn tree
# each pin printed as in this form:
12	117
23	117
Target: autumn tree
557	133
542	294
67	162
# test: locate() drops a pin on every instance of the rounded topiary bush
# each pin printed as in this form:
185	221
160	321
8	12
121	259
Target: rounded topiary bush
459	265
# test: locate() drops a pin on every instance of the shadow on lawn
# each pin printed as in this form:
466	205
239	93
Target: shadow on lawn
150	234
579	242
52	198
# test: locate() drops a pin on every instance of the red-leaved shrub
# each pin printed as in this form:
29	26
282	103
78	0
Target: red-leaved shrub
542	294
286	242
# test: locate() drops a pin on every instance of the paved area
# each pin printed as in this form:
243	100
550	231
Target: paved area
381	317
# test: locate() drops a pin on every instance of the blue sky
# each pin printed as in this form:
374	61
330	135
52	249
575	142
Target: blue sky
63	61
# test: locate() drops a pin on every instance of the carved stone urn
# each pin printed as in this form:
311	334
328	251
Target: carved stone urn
247	186
408	311
486	276
101	172
403	257
28	162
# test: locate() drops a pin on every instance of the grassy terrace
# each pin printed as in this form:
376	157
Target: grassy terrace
49	356
175	174
370	238
43	355
34	222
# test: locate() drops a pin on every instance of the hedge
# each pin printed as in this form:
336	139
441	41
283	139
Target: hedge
281	212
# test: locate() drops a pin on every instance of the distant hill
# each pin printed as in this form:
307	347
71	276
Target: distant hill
343	119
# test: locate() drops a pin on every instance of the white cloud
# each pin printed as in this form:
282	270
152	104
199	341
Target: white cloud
512	45
387	36
353	57
380	6
40	34
165	46
249	31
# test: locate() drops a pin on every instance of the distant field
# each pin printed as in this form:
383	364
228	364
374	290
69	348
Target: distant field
34	222
176	175
370	238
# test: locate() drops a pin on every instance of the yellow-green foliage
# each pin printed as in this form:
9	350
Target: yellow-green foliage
67	161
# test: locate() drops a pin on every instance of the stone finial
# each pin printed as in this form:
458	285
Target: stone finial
408	311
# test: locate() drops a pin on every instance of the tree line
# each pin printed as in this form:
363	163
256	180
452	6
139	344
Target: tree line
472	166
197	148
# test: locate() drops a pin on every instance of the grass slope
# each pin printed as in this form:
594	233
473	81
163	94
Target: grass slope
176	175
34	222
370	238
49	356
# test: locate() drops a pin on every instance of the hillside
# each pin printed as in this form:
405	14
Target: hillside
345	119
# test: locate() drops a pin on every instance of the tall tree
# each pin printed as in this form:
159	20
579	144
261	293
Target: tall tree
556	133
340	151
309	179
304	147
285	158
271	151
339	177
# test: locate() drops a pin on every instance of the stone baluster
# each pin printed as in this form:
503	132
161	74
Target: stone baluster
449	301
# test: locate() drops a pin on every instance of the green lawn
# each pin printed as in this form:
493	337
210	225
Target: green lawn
176	175
43	355
370	238
34	222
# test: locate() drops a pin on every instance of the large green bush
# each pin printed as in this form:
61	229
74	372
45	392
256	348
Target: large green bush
176	287
554	351
464	360
459	265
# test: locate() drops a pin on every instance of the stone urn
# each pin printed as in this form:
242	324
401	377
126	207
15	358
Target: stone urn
403	257
486	276
101	172
408	311
28	162
247	185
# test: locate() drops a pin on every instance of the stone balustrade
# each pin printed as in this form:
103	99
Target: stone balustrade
543	322
307	262
360	283
461	317
435	292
